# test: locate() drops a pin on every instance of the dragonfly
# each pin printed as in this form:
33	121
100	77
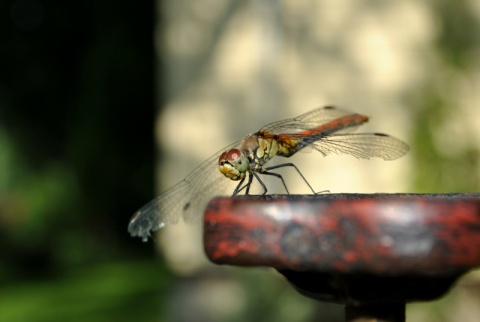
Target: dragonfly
326	130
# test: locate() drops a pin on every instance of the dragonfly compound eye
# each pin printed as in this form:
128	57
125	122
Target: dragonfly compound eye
234	155
222	158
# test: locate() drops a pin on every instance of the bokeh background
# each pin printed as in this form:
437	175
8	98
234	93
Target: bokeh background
104	104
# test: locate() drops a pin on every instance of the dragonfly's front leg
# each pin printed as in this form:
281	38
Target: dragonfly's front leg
239	187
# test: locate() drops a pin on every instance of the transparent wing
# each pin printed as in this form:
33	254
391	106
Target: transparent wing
362	145
309	120
187	199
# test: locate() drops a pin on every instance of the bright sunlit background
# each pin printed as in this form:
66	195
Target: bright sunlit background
105	104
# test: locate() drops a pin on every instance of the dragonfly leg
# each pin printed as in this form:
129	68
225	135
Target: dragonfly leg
238	189
294	166
249	183
271	174
261	182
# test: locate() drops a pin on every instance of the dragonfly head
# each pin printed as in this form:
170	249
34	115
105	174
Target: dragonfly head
233	164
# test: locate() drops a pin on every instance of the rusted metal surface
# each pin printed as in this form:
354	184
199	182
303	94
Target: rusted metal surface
382	234
351	248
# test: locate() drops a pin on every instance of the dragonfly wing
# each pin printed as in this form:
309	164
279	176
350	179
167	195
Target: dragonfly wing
308	120
186	200
362	145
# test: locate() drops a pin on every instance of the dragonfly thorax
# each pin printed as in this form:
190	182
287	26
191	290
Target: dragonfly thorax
260	150
233	164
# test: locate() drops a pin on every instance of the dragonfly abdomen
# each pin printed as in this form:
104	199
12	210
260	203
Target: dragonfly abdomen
299	140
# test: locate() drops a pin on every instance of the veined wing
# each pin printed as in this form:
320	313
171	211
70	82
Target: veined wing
309	120
362	145
187	199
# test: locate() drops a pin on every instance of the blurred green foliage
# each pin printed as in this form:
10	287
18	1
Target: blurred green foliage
439	103
116	291
76	160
